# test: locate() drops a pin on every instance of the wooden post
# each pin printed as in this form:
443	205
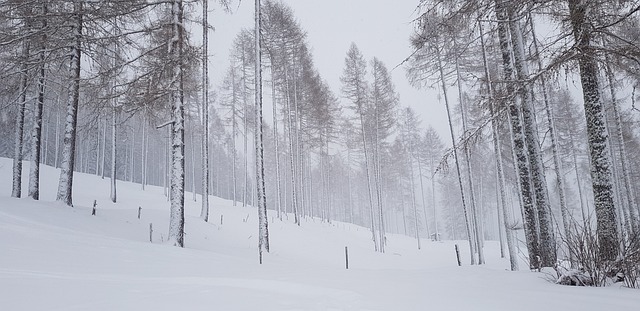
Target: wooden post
346	258
151	232
458	255
139	211
221	217
93	211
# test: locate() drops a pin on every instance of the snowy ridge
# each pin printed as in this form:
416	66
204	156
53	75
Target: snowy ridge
59	258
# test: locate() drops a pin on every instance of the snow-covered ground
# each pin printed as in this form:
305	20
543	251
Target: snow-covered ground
57	258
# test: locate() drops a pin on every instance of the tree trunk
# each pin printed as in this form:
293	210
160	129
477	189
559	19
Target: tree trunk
176	220
276	143
193	165
65	186
114	116
204	213
36	135
104	149
472	196
291	155
57	149
424	204
520	155
606	230
506	213
545	225
554	142
413	200
263	225
455	155
16	191
631	202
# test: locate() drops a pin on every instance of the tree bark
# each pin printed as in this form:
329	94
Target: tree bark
36	135
547	239
606	231
176	220
263	224
114	115
16	190
204	213
65	186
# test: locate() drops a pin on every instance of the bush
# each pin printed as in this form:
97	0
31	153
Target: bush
590	268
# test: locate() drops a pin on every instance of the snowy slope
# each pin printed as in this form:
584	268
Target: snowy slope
58	258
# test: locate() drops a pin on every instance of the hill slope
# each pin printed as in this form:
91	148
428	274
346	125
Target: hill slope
58	258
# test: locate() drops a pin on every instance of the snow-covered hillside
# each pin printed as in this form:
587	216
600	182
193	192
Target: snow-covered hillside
58	258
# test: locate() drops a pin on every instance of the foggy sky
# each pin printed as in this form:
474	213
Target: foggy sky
380	28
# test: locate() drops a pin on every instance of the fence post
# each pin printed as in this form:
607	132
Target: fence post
346	258
151	232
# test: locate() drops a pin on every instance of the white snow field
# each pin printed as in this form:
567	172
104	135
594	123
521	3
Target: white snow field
54	257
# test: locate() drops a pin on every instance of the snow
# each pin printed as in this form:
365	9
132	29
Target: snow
54	257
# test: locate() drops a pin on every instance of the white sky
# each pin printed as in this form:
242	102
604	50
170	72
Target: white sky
380	28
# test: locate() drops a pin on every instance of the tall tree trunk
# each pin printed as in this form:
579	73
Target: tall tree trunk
424	204
36	135
65	186
57	149
176	220
475	215
245	190
291	154
564	211
378	180
234	152
204	212
606	230
506	213
97	148
629	195
114	115
16	190
413	200
133	144
545	223
368	174
349	197
263	224
143	153
193	165
276	143
104	149
436	234
46	140
519	147
455	155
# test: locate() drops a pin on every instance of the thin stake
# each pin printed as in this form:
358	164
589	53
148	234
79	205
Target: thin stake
346	258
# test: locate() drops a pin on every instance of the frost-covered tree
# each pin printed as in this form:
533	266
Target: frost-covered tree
263	224
601	177
356	90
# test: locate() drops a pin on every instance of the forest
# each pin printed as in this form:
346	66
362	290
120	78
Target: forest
541	153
